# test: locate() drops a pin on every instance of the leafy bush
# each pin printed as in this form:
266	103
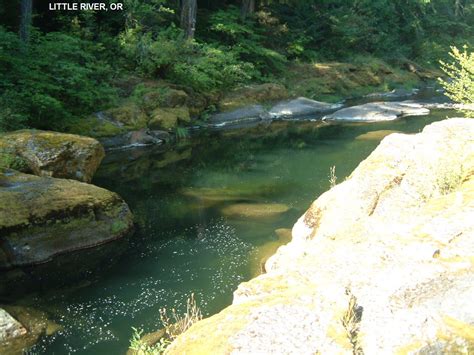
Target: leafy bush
57	79
460	87
169	55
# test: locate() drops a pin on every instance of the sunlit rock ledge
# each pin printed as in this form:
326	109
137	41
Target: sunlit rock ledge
380	264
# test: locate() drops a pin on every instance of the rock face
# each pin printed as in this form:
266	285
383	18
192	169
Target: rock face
43	217
380	264
378	111
51	154
301	107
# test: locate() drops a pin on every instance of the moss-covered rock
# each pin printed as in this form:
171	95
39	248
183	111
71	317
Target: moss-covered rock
333	81
94	126
168	118
251	95
51	154
43	217
129	115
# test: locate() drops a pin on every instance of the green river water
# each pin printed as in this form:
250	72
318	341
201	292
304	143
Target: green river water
185	243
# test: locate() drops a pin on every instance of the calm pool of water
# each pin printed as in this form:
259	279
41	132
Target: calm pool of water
186	242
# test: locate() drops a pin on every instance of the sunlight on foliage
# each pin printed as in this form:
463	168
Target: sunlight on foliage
460	86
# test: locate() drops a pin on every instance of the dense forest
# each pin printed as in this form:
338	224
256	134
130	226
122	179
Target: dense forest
58	66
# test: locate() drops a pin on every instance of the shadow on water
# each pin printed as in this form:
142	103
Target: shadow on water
207	212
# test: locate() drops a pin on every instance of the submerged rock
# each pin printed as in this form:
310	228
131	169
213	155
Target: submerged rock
375	135
245	115
380	264
254	210
394	94
301	107
51	154
42	217
378	111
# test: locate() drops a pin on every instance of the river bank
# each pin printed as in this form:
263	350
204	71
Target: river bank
379	263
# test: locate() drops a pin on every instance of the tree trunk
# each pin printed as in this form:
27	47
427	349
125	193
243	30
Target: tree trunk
248	8
26	17
188	17
457	8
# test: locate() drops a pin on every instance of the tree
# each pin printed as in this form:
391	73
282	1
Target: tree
25	23
248	8
457	8
460	88
188	17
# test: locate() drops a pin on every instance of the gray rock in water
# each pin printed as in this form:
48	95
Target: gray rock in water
248	114
142	137
301	107
378	111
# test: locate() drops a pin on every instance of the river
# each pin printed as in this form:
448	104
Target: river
189	240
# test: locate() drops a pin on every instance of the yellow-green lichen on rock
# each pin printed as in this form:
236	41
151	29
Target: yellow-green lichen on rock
168	118
129	115
381	263
46	153
251	95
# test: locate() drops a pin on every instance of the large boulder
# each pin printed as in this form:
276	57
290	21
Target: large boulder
168	118
45	153
42	217
301	108
380	264
378	111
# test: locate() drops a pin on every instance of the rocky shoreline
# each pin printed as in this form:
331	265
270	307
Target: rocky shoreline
48	214
381	263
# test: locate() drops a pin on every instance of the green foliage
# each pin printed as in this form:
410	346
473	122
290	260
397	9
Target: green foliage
169	55
460	87
12	161
142	348
64	73
246	39
174	324
56	80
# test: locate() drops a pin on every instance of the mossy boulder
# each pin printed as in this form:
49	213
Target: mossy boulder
96	126
251	95
53	154
168	118
129	115
42	217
